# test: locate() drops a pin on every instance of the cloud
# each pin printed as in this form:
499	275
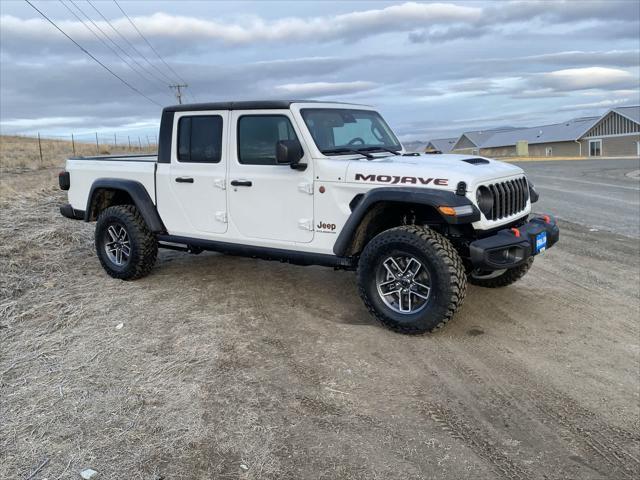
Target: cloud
502	57
64	126
323	89
616	58
22	123
420	22
536	93
255	29
572	79
441	34
563	11
537	85
623	29
603	104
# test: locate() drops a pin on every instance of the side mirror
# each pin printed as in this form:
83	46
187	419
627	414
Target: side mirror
289	152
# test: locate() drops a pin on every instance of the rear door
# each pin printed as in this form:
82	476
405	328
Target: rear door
192	198
268	201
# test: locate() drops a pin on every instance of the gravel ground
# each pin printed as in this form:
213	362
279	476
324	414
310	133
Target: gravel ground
604	193
237	368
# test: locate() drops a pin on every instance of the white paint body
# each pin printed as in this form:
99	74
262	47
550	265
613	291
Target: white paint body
284	207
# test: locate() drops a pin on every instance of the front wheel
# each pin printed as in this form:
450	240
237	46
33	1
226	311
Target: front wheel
125	246
411	279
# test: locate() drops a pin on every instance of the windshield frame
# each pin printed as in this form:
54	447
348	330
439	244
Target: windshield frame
353	149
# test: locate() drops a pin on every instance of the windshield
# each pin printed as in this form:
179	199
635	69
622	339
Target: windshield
346	131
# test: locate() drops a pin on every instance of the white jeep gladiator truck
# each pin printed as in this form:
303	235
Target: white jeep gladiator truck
314	183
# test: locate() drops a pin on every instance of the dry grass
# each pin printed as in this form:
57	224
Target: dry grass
80	393
18	153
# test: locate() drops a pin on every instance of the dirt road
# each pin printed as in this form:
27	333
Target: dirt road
236	368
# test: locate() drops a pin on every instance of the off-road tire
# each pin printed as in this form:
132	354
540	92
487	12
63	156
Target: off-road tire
510	276
144	247
445	267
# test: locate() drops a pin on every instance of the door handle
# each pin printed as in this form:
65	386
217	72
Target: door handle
184	180
241	183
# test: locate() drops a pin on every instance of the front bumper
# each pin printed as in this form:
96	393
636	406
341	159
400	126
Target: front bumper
511	247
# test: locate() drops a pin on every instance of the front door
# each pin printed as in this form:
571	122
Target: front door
268	201
192	198
595	148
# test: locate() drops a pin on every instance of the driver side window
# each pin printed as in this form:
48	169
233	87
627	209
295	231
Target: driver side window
258	136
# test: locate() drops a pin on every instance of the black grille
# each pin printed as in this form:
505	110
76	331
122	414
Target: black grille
509	198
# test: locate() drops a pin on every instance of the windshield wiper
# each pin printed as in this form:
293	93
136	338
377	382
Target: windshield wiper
380	148
348	150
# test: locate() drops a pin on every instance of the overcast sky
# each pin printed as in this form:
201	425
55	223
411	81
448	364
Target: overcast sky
433	69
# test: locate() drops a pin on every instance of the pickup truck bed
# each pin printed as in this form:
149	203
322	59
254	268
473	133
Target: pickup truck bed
85	170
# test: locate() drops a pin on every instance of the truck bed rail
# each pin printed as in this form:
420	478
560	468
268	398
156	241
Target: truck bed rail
146	157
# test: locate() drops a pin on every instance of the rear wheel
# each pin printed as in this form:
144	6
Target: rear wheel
127	249
411	279
500	278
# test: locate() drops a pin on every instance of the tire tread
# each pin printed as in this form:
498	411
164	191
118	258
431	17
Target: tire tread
141	238
445	250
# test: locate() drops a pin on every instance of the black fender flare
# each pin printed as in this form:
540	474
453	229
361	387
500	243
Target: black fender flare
411	195
136	191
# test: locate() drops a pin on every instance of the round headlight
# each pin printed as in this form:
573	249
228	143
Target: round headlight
484	199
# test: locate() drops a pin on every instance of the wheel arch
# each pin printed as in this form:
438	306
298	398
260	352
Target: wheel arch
382	208
106	192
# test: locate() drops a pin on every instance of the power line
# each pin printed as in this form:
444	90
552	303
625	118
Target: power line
132	45
142	67
170	80
148	43
90	55
102	41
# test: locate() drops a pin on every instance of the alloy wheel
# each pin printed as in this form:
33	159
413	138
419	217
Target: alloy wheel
403	283
117	245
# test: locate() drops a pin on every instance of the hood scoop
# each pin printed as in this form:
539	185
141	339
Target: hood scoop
476	161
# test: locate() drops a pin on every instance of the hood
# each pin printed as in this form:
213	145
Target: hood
429	170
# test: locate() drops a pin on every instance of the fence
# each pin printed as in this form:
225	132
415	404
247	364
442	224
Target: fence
21	151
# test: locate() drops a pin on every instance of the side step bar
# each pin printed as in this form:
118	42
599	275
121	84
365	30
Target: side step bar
289	256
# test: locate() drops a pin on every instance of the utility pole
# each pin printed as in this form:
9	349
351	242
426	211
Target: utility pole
177	87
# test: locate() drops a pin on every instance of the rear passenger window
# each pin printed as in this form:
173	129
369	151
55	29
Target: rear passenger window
258	136
200	139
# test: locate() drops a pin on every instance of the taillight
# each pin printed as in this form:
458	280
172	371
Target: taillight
64	180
